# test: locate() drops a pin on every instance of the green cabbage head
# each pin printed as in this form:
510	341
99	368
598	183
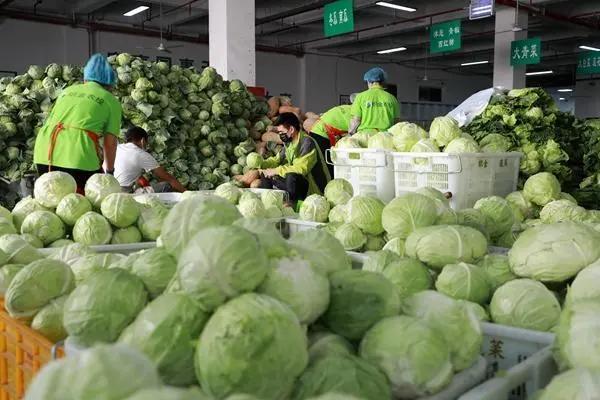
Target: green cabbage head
51	187
325	252
464	281
577	344
365	212
35	285
49	321
401	216
576	383
120	209
105	372
92	229
338	191
71	207
458	325
554	252
266	366
499	213
350	236
414	357
98	186
525	303
294	282
44	225
541	188
444	130
165	331
358	300
314	208
218	264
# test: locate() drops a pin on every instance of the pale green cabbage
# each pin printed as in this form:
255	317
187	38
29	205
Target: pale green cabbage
120	209
314	208
18	250
229	192
131	234
71	207
414	357
98	186
499	213
577	344
350	236
49	320
444	130
497	269
338	191
323	344
365	212
266	366
401	216
525	303
92	229
462	145
578	383
464	281
323	250
50	188
44	225
541	188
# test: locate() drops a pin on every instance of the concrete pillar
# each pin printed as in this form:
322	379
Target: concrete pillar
505	74
587	98
232	40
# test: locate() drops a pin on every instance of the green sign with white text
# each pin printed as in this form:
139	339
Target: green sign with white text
338	17
589	63
445	36
525	52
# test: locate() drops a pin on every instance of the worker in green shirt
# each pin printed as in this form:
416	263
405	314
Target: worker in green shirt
374	110
299	169
330	127
83	126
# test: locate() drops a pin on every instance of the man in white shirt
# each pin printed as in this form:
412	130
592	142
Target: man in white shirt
132	161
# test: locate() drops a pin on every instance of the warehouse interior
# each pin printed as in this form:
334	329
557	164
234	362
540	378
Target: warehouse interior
294	58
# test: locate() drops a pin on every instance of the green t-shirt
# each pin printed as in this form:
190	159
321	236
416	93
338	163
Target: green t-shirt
338	117
86	107
376	108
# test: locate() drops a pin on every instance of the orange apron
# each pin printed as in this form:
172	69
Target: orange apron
333	133
57	130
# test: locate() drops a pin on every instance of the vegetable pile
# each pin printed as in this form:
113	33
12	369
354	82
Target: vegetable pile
228	304
199	125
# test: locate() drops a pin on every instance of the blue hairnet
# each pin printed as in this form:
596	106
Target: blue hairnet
99	70
376	74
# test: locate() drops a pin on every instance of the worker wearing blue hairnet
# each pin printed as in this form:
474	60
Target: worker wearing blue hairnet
83	126
374	110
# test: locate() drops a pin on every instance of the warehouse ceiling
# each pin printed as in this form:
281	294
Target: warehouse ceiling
294	26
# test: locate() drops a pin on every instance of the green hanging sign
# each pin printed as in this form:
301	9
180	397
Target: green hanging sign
525	52
589	63
338	18
445	36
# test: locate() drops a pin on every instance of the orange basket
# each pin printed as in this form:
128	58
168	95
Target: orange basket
23	352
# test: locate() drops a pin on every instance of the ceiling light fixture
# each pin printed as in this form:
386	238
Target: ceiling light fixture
562	99
135	11
474	63
394	50
539	73
564	90
589	48
395	6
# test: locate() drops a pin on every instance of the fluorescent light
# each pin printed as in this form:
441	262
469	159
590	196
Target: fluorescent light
539	73
481	12
564	90
135	11
395	6
391	50
482	8
474	63
562	99
589	48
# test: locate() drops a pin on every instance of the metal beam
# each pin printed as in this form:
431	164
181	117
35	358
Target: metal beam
291	12
89	6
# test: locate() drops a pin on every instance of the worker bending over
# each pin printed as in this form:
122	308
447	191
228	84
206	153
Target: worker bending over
299	169
374	110
133	160
330	127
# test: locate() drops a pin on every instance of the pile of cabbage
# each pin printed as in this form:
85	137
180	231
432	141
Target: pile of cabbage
57	215
444	135
200	126
256	203
528	121
227	304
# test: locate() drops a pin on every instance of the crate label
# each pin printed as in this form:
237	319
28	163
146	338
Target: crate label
503	162
483	163
354	156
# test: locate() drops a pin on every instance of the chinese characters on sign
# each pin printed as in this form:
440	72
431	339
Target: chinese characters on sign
589	63
527	51
338	17
445	36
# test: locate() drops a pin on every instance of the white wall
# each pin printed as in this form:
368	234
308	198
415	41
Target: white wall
314	82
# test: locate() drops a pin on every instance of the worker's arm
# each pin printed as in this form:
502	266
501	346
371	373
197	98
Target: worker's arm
110	152
162	174
111	134
302	164
354	124
274	161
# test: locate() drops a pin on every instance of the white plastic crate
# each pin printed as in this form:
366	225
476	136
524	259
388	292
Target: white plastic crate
369	171
534	374
504	347
468	177
293	225
112	248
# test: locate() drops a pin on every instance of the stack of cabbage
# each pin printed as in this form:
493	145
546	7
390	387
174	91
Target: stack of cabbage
198	124
227	303
444	135
266	204
103	216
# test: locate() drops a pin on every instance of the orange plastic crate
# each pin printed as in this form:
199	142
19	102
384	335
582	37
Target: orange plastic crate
23	352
